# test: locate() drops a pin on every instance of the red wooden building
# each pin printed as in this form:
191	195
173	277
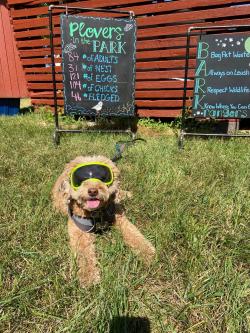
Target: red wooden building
161	41
13	84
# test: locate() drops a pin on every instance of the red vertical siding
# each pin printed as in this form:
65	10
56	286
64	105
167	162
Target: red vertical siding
12	80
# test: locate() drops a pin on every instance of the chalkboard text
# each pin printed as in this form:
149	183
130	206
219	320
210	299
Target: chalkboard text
98	65
221	84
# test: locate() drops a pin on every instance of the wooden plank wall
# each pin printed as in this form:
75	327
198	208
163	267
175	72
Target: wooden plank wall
12	80
162	26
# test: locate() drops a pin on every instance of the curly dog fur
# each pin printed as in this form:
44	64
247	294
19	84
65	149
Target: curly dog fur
83	243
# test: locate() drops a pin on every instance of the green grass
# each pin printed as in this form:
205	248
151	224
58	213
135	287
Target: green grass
194	205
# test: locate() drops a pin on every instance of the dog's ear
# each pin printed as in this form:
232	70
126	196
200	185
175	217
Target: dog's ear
61	193
63	187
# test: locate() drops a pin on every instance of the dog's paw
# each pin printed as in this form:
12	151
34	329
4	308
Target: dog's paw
90	280
149	254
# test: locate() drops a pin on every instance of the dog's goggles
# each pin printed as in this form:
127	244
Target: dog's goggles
94	170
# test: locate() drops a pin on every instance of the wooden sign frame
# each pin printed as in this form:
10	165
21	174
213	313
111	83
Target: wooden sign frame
58	130
185	114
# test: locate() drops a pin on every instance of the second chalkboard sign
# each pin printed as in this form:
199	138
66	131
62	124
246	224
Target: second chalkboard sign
98	65
222	85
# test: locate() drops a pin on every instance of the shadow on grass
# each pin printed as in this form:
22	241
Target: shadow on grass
130	325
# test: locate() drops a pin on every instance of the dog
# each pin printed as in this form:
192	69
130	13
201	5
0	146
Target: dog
88	193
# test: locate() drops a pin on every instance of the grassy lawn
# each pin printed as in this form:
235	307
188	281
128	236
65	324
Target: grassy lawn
194	206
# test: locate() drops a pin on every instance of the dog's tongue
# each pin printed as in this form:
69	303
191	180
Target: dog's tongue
93	203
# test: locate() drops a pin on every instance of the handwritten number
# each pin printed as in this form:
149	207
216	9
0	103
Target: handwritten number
74	76
72	68
76	96
73	56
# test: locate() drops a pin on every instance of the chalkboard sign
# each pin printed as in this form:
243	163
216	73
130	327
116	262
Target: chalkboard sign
222	77
98	65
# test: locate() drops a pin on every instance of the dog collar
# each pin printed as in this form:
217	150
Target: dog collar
103	219
83	223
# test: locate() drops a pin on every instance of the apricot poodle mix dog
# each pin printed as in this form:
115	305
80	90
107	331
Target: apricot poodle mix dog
88	193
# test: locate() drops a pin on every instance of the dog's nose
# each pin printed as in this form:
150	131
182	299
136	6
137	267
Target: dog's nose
92	192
